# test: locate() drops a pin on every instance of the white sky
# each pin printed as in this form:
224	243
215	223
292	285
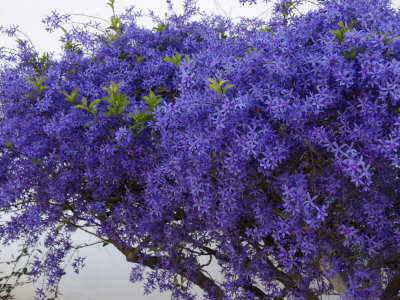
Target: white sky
106	273
28	14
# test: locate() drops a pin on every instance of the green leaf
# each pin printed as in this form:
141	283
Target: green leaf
140	118
175	60
139	59
160	27
66	221
363	253
250	50
111	111
153	100
71	97
117	101
116	26
265	29
9	145
84	101
217	86
161	89
39	64
227	87
111	4
82	107
38	84
284	216
93	106
141	129
340	34
73	47
353	54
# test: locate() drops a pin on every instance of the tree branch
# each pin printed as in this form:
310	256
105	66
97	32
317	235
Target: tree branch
204	282
380	260
392	289
337	280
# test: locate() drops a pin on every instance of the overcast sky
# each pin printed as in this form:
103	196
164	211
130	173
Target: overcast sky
106	273
28	14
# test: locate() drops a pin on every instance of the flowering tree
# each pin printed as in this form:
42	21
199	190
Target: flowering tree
269	148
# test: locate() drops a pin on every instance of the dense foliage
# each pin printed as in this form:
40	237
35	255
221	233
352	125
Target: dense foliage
270	148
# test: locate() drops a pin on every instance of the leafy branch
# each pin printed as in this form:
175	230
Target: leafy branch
117	101
38	84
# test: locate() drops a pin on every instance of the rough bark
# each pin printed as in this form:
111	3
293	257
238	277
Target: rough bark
392	289
337	280
201	280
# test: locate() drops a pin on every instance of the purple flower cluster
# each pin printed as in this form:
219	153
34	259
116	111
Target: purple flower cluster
268	148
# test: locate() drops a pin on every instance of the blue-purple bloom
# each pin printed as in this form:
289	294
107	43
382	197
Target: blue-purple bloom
268	147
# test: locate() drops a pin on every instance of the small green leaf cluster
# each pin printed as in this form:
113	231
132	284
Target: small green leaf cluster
153	100
92	106
38	84
140	118
63	223
340	33
117	104
116	24
177	59
117	101
286	8
353	53
161	27
265	29
40	64
250	50
111	4
139	59
217	86
180	283
71	97
116	27
220	29
73	47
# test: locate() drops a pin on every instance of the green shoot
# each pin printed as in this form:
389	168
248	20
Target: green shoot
217	86
116	100
340	34
175	60
153	100
160	28
72	97
92	107
139	59
38	84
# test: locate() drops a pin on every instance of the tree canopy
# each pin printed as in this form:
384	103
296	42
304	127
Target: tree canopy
268	147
